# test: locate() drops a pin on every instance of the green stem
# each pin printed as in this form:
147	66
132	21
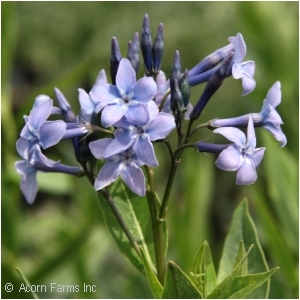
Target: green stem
120	220
157	228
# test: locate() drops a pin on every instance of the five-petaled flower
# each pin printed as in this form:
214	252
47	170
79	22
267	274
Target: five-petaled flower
139	137
242	155
125	164
39	131
127	98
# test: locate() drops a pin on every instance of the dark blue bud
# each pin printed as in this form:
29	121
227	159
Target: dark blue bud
211	60
176	98
176	69
133	53
213	84
146	46
185	88
158	49
115	58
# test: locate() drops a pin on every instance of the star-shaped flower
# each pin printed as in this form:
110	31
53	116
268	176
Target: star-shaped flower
242	155
139	137
39	131
125	164
127	98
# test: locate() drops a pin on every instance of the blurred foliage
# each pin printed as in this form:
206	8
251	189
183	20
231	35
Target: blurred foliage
62	237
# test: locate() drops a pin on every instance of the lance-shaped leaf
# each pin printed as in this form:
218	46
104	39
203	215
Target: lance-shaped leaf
178	285
135	213
243	270
242	228
202	271
155	286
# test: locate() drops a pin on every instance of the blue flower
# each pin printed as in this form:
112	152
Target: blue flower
38	162
39	131
127	98
139	137
243	70
242	155
268	117
125	164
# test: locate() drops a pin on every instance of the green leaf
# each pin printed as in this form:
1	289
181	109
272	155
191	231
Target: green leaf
222	289
135	213
241	286
202	271
178	285
155	286
34	294
241	253
243	229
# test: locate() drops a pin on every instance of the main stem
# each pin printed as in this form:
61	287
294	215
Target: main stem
157	228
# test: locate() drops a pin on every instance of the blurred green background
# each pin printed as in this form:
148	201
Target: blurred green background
61	238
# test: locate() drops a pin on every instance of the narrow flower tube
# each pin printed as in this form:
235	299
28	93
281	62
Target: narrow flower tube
210	147
115	58
185	88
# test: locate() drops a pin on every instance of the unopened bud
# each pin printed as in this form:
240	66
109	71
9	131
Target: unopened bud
158	49
146	46
185	88
133	53
115	58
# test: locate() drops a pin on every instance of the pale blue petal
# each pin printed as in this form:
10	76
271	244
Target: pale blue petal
161	126
134	178
112	113
273	97
145	151
251	138
248	84
86	102
108	174
105	92
98	147
39	114
101	78
122	142
28	182
232	134
256	156
137	114
51	133
277	133
239	48
145	90
126	77
229	159
23	147
246	174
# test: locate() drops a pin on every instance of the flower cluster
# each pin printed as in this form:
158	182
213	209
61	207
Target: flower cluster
118	123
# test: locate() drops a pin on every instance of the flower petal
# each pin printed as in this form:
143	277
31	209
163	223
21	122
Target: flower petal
229	159
51	133
40	113
161	126
257	155
111	114
28	182
126	77
98	147
134	178
239	48
105	92
273	97
232	134
137	114
144	151
251	138
108	174
121	142
145	90
246	174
